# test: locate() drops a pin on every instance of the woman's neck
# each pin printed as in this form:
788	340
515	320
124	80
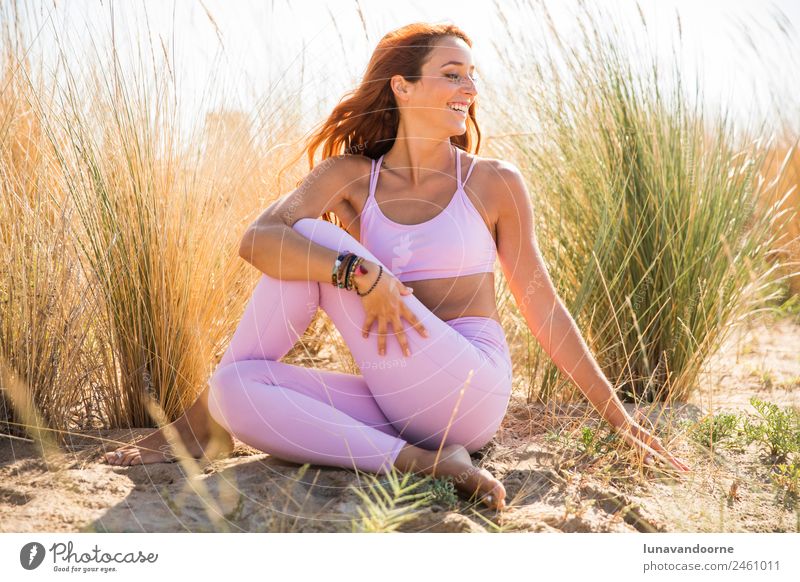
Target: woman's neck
416	158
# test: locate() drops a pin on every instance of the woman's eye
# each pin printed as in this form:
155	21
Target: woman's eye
459	79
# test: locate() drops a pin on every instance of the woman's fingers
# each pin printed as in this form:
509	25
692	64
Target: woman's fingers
401	336
381	336
668	457
653	449
679	464
367	324
414	321
655	444
672	459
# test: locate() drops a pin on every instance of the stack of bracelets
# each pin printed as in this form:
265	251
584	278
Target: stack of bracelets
346	265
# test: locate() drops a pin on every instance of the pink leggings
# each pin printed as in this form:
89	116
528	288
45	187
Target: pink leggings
308	415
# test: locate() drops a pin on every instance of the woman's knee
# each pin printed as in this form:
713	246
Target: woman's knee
220	386
474	437
477	444
226	389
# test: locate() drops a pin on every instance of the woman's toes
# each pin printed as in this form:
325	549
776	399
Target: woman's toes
115	458
495	493
499	497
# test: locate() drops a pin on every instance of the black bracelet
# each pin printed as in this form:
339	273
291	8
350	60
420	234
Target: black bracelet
351	273
348	272
380	272
340	275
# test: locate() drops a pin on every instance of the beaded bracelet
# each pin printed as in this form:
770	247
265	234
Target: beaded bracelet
341	263
351	267
358	269
336	265
380	272
345	269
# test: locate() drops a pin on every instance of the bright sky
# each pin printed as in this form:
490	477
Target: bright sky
249	48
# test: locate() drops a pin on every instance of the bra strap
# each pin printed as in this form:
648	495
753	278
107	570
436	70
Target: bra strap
458	166
373	176
469	170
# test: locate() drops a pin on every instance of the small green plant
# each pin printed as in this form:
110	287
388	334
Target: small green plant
592	444
776	429
390	503
715	430
557	437
586	442
442	491
767	378
790	308
786	479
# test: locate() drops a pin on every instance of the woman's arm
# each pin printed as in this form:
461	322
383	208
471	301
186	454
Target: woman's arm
537	299
549	320
271	244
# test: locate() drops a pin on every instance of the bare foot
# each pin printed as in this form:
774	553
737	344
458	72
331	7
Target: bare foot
454	461
200	437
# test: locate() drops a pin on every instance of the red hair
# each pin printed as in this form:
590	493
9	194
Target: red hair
365	121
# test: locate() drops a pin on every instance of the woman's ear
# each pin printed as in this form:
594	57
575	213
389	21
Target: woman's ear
399	86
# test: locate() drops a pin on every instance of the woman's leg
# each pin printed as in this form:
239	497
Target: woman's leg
313	416
451	389
295	413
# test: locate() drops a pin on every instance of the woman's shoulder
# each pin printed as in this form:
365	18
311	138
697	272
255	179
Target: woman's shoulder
347	164
495	181
490	169
492	174
345	171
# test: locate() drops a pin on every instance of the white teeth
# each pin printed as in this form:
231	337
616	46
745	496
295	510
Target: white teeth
458	107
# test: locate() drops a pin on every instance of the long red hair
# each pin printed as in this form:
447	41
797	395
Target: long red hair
365	121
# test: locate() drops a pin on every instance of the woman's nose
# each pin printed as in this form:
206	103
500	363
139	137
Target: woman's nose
471	86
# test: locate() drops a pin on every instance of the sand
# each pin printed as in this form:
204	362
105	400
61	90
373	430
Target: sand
551	486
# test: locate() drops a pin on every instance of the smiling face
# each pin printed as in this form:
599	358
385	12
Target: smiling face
440	99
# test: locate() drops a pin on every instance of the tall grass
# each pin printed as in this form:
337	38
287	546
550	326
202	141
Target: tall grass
121	278
646	207
160	230
782	168
44	315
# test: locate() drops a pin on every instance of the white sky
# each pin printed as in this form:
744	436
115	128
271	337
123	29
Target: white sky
253	47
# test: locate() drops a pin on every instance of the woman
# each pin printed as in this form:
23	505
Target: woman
437	387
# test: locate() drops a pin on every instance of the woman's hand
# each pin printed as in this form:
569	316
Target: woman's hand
641	439
385	304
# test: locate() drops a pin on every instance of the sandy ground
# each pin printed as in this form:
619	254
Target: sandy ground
551	485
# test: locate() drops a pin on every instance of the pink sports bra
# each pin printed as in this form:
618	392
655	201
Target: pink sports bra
453	243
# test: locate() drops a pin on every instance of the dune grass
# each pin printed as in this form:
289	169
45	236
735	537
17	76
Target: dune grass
44	315
782	169
120	284
646	209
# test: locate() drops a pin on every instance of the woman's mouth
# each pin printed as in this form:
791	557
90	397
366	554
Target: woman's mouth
459	108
